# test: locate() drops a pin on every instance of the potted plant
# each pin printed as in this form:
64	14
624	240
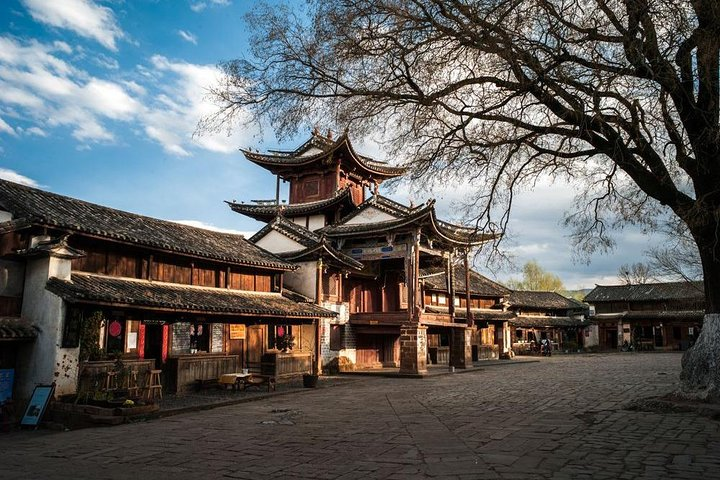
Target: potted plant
285	343
310	380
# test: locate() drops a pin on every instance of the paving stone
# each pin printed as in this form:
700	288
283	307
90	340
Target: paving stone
559	418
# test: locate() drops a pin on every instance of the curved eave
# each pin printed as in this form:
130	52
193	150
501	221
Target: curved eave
322	250
266	213
277	163
378	227
460	235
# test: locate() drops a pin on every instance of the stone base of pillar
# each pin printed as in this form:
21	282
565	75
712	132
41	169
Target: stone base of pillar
413	349
461	347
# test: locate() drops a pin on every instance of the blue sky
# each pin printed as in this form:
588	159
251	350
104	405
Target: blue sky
99	101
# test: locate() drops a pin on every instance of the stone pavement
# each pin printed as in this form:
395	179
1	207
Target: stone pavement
559	418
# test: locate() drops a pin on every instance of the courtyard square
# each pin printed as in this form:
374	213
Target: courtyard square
559	418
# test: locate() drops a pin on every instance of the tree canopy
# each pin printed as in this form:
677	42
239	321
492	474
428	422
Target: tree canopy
621	96
535	278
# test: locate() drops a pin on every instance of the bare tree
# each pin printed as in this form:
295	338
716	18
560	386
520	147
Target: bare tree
679	258
621	95
635	274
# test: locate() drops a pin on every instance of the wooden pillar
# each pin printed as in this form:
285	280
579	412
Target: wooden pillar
470	320
449	272
317	367
416	275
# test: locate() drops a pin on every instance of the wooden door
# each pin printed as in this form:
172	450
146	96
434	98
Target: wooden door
255	345
369	350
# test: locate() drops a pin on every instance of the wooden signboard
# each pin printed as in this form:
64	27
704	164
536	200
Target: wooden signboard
237	332
38	403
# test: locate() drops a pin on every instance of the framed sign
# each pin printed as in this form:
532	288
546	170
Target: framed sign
38	403
237	332
6	384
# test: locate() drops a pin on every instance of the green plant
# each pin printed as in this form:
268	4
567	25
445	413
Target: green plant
285	342
90	337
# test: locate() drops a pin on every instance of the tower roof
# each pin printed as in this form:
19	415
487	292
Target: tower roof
320	149
264	212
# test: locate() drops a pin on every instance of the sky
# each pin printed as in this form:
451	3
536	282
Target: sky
99	100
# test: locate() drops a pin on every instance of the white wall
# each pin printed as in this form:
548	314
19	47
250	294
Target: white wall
370	215
276	242
316	222
593	336
45	361
303	279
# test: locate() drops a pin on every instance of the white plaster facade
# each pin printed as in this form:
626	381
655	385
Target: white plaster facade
303	280
370	215
276	242
45	361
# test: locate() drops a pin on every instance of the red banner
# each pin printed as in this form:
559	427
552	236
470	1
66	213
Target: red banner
141	341
166	332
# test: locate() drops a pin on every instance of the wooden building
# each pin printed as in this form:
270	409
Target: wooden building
490	338
665	316
192	302
361	254
539	315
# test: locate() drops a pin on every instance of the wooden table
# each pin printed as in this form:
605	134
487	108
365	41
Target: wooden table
234	379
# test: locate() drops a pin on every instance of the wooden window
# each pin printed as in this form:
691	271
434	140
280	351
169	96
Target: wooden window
442	299
336	337
311	188
71	328
276	334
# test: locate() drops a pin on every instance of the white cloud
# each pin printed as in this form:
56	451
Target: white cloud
4	127
105	61
36	131
209	226
62	47
163	103
83	17
187	36
200	6
13	176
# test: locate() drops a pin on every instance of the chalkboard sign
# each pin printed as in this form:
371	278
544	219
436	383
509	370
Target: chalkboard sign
181	338
38	403
216	343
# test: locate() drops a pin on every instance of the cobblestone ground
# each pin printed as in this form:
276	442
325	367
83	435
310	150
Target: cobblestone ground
560	418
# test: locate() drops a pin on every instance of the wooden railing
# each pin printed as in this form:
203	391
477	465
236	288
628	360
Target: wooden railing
286	365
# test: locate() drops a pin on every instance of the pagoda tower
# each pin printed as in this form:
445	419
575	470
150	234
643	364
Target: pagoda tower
362	255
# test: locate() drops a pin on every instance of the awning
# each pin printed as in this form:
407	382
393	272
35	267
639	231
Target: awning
88	288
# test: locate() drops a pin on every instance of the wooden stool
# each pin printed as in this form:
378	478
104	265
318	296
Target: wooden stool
153	384
110	381
131	384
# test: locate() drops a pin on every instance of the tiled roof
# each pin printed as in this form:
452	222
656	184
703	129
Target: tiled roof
528	321
547	300
647	292
90	288
436	279
422	216
315	245
16	329
263	212
383	204
332	255
49	209
290	229
478	313
299	158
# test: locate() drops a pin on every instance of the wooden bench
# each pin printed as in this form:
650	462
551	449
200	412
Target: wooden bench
256	380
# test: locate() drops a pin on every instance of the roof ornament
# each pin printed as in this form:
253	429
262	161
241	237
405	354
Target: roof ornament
329	134
315	131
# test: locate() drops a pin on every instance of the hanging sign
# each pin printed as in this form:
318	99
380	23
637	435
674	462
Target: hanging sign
237	332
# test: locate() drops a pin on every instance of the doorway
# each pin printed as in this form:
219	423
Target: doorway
154	343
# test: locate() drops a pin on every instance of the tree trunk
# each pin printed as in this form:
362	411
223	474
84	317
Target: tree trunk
700	376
